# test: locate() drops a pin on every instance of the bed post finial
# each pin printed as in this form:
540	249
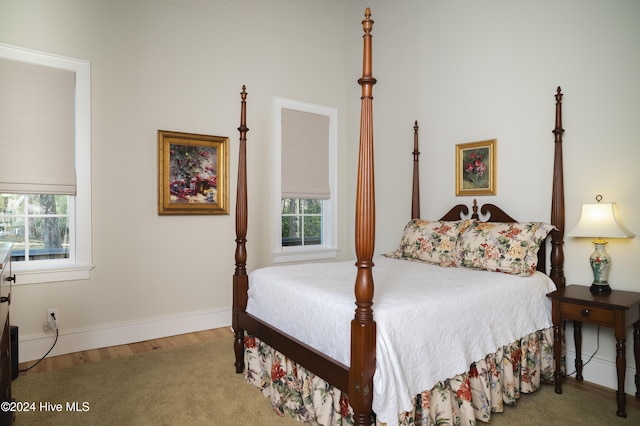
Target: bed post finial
415	195
363	327
240	279
367	81
558	131
557	201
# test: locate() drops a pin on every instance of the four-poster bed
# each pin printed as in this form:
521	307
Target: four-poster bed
351	357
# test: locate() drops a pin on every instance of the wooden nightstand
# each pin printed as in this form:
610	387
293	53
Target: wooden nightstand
618	310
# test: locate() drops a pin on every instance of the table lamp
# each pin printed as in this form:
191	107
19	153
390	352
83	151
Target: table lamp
600	221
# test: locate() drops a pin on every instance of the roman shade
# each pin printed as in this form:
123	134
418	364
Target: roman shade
305	155
37	129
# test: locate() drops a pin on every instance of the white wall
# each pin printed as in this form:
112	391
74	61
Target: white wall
173	65
470	71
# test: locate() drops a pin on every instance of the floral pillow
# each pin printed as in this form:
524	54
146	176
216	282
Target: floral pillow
431	241
511	248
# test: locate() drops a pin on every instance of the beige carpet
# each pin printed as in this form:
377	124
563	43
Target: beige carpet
197	385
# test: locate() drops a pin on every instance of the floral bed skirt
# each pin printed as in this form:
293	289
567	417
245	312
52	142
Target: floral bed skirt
490	383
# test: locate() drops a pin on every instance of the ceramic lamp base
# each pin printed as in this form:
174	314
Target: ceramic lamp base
600	289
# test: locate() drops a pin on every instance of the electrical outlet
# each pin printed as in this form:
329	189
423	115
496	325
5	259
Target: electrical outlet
52	320
52	315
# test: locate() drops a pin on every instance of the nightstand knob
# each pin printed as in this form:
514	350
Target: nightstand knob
585	312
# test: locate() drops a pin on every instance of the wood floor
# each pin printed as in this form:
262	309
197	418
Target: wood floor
93	355
69	360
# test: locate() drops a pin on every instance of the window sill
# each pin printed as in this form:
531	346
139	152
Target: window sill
51	273
303	255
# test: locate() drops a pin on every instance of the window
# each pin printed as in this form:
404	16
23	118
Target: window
50	229
37	225
301	222
305	164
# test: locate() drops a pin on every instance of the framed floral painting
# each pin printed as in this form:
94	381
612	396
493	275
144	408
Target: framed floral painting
476	168
192	174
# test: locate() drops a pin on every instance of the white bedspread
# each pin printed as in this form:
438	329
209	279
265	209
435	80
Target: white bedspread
432	322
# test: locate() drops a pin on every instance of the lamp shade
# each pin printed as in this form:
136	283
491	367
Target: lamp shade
600	220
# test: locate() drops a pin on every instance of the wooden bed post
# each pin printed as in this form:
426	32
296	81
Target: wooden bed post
557	201
415	195
363	327
240	278
557	235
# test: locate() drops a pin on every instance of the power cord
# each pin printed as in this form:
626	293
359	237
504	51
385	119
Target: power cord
593	354
49	351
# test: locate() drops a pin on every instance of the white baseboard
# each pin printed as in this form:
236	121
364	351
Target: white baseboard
603	372
34	347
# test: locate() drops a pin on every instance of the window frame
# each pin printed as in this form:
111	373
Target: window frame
329	247
26	216
79	263
302	217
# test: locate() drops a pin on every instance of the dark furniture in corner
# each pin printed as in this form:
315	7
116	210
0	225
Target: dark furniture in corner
6	417
618	310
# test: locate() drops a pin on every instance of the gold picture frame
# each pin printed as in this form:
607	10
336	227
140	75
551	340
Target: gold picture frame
476	168
193	174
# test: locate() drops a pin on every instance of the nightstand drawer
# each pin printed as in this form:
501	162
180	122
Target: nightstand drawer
586	313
